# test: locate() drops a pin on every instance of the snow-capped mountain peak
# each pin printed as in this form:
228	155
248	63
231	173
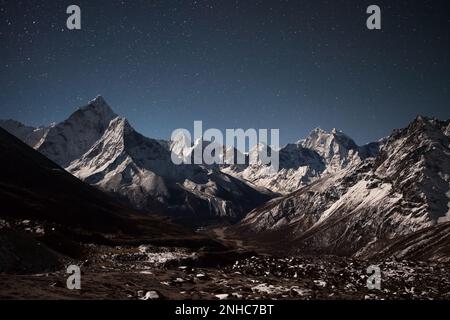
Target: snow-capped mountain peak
141	170
98	100
336	148
327	143
96	110
356	210
300	163
70	139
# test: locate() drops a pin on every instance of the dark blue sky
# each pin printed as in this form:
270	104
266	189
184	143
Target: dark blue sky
293	65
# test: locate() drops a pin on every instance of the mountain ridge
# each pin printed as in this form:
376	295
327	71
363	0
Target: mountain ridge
103	149
330	195
401	191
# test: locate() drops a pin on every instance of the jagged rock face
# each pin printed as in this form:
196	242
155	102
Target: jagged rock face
30	135
360	208
416	161
314	200
345	198
104	150
293	156
124	162
337	149
35	188
307	160
298	166
192	152
431	243
141	170
70	139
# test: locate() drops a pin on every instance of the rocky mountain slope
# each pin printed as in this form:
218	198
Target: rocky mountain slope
363	207
46	212
70	139
141	170
307	160
30	135
432	243
103	149
298	166
337	150
338	197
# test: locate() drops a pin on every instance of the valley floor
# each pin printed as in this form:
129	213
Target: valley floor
168	273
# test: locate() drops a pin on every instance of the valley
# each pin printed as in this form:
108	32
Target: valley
93	192
132	273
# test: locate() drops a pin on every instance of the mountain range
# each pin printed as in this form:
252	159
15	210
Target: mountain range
306	160
360	209
330	195
46	213
97	146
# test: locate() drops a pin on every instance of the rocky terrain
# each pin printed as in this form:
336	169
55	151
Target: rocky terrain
48	216
149	273
307	160
360	209
97	146
92	191
141	170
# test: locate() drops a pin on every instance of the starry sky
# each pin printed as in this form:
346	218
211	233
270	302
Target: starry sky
292	64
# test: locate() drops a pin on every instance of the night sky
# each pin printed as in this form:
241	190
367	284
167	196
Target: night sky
293	65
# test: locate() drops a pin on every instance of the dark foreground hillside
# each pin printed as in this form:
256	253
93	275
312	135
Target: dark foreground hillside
48	216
